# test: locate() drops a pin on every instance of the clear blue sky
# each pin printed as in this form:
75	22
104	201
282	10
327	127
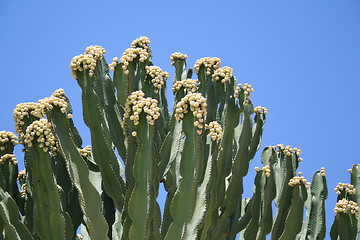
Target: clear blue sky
302	58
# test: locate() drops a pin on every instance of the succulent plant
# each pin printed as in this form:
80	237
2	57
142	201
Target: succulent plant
199	150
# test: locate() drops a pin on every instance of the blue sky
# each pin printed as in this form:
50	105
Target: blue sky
302	58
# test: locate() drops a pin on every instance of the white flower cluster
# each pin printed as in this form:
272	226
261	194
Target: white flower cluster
38	110
260	109
209	63
136	103
190	85
247	88
8	157
112	65
141	42
197	105
343	206
158	76
21	111
86	151
87	60
21	174
23	191
224	73
288	150
216	132
265	169
41	132
96	51
349	188
322	171
129	55
55	100
5	137
177	56
298	180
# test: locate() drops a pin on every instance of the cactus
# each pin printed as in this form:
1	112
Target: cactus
200	151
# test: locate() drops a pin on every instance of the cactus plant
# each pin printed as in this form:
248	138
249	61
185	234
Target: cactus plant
199	151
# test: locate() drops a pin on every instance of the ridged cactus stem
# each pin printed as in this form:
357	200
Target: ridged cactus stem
46	196
183	202
103	153
141	202
90	201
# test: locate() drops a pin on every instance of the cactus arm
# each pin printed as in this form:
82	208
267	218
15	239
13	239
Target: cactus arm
225	156
171	148
316	228
344	227
90	201
69	194
355	180
182	204
284	171
241	163
241	224
103	153
104	89
197	217
180	70
268	194
120	83
46	196
8	176
258	128
253	226
10	219
294	219
139	206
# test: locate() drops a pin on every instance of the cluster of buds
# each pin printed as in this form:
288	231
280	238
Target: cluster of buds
177	56
288	150
55	100
23	191
87	60
141	42
158	76
197	104
86	151
260	109
59	93
247	89
22	111
96	51
322	172
6	137
297	180
136	103
21	175
265	169
224	73
41	132
8	158
216	132
343	206
210	63
112	65
190	85
128	56
349	188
